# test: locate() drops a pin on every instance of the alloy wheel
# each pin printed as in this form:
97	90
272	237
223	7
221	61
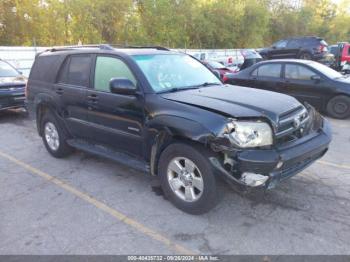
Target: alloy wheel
185	179
51	136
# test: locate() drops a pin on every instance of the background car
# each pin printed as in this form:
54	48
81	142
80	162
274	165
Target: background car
251	57
12	85
308	81
341	52
309	48
213	65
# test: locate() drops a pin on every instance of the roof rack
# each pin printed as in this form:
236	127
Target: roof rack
141	47
104	47
63	48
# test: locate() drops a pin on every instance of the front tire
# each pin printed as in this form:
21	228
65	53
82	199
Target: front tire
339	107
187	178
54	137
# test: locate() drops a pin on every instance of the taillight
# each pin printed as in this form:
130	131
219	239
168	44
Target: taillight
224	78
322	48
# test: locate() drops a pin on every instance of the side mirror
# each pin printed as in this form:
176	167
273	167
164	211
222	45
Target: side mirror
316	78
217	74
122	86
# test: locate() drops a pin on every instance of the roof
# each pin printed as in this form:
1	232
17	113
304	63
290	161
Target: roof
299	61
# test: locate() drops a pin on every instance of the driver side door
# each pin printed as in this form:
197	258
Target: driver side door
117	119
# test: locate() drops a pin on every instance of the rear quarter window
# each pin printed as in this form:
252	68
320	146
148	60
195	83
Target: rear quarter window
45	68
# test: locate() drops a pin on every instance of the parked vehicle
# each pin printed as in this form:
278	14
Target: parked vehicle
308	81
308	48
251	57
213	65
12	85
165	113
341	52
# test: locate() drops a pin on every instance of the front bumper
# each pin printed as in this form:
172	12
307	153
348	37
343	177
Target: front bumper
281	162
11	99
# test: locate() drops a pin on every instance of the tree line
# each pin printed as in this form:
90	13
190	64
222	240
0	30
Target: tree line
171	23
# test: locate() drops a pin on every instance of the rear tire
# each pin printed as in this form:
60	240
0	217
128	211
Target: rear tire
305	56
54	136
339	107
187	178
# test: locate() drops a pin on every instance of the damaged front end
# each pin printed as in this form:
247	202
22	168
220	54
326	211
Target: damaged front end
256	153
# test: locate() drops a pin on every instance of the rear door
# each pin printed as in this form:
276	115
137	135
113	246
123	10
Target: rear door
117	119
279	50
293	47
71	87
298	82
267	76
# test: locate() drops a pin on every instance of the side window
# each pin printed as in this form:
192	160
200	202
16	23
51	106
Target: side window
76	71
255	72
281	44
298	72
108	68
270	70
293	43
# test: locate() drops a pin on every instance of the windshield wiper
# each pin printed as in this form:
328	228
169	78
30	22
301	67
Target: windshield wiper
176	89
208	84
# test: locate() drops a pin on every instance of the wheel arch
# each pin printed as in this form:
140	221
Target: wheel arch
44	104
192	133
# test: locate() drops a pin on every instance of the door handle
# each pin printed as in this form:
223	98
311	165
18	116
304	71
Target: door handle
93	98
59	91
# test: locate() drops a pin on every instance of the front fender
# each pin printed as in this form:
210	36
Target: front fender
164	129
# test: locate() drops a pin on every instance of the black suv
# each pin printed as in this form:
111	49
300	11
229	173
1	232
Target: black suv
310	48
165	113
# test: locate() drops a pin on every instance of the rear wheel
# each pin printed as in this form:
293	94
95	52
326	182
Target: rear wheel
54	137
187	178
339	107
305	56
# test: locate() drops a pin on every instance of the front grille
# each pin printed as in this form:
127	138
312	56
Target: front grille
297	123
12	87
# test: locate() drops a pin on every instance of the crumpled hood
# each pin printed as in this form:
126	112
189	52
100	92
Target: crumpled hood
9	81
237	101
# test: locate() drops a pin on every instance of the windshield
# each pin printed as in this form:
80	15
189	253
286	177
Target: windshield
6	70
174	71
327	71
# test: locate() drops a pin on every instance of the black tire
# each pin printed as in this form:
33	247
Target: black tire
199	156
265	57
63	149
339	107
305	56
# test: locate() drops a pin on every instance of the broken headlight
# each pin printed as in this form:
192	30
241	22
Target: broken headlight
249	134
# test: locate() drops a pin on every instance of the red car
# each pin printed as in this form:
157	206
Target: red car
341	52
213	65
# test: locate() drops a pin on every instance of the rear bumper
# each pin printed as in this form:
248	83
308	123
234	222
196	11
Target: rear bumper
11	99
280	163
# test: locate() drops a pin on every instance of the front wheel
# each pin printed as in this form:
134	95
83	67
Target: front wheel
187	178
339	107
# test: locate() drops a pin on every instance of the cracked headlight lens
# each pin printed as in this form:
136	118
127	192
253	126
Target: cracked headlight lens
249	134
